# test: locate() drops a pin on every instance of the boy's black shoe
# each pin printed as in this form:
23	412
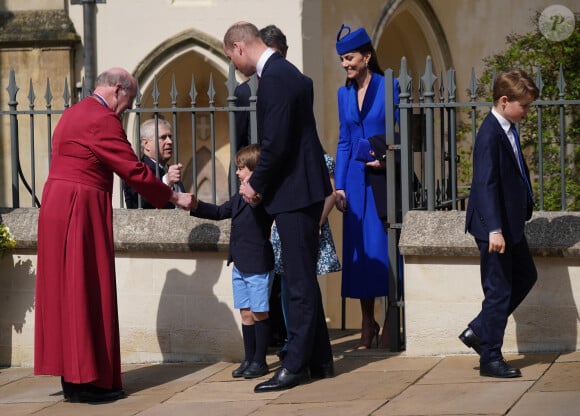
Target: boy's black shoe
239	372
255	370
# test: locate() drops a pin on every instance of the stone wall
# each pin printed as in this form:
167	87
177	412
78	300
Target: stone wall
174	288
175	300
443	291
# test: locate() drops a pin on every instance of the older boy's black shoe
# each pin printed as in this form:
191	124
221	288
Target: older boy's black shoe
239	372
499	369
256	370
471	340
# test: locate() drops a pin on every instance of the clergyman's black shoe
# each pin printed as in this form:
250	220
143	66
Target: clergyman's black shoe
471	340
282	380
239	372
322	371
90	394
499	369
256	370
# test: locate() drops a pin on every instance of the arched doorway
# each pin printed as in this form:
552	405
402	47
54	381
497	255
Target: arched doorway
185	72
411	29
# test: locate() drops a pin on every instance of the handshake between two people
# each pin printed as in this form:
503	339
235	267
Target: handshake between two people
183	200
188	201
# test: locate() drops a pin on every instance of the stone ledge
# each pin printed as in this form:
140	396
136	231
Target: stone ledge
441	233
149	230
37	28
424	233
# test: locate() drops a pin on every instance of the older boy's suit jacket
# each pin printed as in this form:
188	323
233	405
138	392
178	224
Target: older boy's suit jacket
291	173
499	197
250	247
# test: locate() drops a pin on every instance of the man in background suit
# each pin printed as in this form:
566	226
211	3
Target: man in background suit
292	181
170	174
500	203
275	39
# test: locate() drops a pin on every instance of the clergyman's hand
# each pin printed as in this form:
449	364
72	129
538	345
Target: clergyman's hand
182	200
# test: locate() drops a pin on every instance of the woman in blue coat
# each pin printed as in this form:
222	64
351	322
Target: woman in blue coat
361	109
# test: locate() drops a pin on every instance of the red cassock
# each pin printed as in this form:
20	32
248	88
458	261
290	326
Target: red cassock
76	318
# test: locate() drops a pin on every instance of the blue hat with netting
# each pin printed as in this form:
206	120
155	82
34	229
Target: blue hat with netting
352	40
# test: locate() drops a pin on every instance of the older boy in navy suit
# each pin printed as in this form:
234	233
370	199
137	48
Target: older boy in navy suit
500	203
253	258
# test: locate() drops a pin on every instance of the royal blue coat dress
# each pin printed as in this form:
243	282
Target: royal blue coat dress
365	256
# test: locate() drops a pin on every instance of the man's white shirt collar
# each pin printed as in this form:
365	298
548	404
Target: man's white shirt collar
262	61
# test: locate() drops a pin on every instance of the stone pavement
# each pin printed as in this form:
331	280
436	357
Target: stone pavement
369	382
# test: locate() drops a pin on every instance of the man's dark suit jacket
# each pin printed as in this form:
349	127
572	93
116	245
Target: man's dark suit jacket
132	197
499	197
250	247
242	118
293	179
291	173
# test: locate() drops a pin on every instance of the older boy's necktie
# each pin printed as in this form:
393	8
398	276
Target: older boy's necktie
521	161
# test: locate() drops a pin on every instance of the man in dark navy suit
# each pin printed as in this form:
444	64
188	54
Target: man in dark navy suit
275	39
292	181
157	158
500	203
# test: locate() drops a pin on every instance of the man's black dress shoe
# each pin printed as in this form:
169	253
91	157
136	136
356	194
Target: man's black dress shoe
255	370
499	369
322	371
471	340
239	372
282	380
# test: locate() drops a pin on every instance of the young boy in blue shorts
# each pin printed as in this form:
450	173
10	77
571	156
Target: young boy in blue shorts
253	258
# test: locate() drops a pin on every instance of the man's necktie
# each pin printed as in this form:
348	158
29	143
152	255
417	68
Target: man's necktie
521	161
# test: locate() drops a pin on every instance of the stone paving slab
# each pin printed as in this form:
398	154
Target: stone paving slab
166	378
228	408
338	408
396	363
32	390
568	357
456	399
233	390
367	383
7	375
132	405
372	385
562	403
465	369
560	377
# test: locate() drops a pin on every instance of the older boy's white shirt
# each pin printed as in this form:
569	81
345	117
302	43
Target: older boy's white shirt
506	126
262	61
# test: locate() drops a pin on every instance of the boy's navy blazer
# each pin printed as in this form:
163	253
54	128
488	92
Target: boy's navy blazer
250	247
499	197
291	173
